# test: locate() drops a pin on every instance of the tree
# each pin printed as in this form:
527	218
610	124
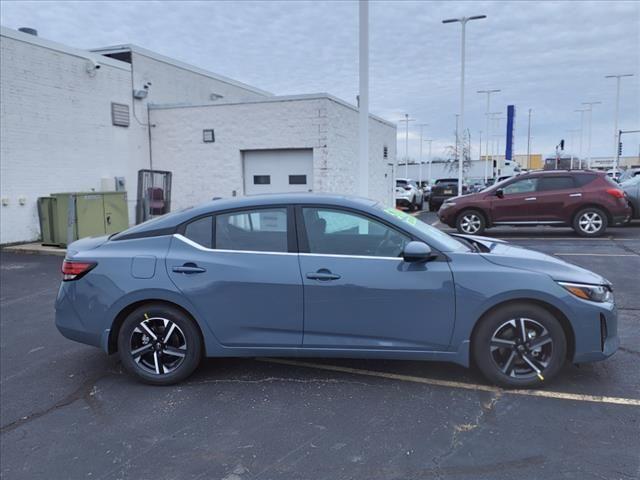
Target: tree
461	148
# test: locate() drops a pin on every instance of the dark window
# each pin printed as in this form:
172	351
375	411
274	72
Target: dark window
344	233
297	179
385	152
262	179
120	114
582	179
200	231
546	184
263	230
208	136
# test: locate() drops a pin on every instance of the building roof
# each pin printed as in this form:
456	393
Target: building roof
176	63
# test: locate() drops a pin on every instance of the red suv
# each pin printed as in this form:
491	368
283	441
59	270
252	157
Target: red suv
586	200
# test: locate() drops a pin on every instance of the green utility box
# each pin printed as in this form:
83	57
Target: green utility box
66	217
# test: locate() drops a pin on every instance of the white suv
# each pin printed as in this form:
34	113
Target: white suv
408	194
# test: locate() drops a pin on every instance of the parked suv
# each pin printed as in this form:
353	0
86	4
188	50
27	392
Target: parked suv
408	194
586	200
443	189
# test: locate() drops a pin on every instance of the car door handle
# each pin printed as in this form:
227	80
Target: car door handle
528	199
189	268
575	195
323	275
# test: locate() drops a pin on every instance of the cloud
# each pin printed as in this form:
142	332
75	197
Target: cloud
547	56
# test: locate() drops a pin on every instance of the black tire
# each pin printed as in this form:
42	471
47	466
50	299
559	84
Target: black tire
471	222
173	359
421	204
590	222
434	207
492	353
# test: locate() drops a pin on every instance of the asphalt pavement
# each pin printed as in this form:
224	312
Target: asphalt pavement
68	411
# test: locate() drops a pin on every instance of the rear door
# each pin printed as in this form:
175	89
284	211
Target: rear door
240	271
518	203
554	195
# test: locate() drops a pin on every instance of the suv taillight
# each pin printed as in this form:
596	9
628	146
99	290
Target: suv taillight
615	192
75	270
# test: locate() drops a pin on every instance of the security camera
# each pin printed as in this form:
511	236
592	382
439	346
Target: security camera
92	66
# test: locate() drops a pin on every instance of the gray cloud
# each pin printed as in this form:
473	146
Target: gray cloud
548	56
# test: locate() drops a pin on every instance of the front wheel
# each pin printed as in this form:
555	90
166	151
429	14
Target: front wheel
519	346
590	222
159	344
470	222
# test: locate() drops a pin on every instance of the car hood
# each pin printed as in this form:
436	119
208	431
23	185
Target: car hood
509	255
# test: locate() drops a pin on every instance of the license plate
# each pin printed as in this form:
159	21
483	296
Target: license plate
448	192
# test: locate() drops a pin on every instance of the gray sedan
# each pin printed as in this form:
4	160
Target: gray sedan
632	188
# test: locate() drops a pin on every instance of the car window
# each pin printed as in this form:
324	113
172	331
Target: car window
582	179
339	232
401	183
546	184
201	231
263	230
521	186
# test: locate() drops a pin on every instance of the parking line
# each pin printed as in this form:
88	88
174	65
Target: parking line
597	254
461	385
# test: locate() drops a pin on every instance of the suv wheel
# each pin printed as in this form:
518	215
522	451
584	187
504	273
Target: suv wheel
470	222
590	222
519	345
159	344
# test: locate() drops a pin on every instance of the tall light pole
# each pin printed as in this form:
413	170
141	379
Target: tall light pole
363	99
590	110
497	137
616	133
406	145
491	116
429	171
572	133
581	111
422	125
463	22
488	131
529	141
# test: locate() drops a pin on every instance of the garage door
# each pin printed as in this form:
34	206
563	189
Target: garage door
278	171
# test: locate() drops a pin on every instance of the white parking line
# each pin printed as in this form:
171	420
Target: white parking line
462	385
596	254
435	223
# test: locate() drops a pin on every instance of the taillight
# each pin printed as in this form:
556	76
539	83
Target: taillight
75	270
615	192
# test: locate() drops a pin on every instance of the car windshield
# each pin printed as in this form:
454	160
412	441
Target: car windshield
401	183
446	180
452	244
631	182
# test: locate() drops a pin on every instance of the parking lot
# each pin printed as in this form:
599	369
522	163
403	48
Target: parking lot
68	411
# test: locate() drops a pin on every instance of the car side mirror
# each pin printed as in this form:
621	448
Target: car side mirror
499	193
417	252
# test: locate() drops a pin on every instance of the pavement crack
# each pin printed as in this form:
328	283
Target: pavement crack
280	379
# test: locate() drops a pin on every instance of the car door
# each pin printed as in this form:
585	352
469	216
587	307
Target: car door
517	203
359	293
555	195
240	271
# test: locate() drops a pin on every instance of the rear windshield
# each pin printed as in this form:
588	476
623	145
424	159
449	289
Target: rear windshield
401	183
446	180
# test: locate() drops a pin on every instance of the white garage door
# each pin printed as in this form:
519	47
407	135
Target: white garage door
278	171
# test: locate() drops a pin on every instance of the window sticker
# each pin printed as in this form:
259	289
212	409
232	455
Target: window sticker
401	215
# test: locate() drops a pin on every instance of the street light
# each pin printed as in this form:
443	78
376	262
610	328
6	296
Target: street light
406	145
429	171
463	22
422	125
488	132
590	110
492	116
572	133
581	111
615	128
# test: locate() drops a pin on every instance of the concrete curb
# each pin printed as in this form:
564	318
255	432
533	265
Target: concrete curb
35	249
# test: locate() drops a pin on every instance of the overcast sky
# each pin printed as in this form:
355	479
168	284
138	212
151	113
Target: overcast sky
547	56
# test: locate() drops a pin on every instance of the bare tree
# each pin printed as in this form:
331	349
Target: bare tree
461	148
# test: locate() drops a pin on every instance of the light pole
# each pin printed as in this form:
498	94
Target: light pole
529	141
363	99
581	111
457	149
572	133
590	110
406	145
615	127
422	125
429	171
497	137
488	132
463	22
491	116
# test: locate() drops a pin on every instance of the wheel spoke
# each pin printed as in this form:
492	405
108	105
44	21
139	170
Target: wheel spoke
539	342
156	363
502	343
523	330
531	362
176	352
148	330
508	366
167	335
138	352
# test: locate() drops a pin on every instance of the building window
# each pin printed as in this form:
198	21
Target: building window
208	136
385	152
297	179
262	179
120	114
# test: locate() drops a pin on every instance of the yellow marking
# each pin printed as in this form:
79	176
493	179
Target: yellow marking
462	385
146	316
540	377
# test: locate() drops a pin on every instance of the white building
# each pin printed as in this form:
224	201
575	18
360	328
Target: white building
74	120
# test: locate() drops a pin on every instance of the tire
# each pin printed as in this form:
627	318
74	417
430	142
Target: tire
471	222
421	204
502	354
432	207
159	362
590	222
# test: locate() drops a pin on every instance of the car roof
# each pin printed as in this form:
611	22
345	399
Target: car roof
559	172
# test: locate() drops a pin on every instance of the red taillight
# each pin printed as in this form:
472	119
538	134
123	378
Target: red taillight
74	270
615	192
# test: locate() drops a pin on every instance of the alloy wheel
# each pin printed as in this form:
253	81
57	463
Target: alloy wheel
470	223
521	348
590	222
158	346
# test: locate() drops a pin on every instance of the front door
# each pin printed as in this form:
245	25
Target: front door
518	203
359	293
242	276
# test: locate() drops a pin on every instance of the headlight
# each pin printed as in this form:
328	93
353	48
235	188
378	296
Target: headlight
447	205
595	293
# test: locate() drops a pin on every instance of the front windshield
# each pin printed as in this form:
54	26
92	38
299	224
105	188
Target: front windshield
451	243
497	185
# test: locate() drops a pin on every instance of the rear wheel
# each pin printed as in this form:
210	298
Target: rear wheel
519	346
590	222
159	344
421	204
470	222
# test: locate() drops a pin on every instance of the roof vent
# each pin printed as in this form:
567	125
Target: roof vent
29	30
